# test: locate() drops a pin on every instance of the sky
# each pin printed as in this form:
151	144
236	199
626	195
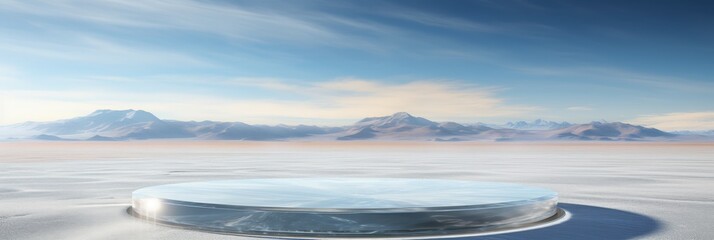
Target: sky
335	62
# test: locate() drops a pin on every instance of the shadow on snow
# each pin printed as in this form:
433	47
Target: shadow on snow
587	222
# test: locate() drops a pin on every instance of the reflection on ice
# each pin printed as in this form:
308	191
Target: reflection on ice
345	206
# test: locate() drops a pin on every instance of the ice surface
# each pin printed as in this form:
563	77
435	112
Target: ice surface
345	206
76	190
347	193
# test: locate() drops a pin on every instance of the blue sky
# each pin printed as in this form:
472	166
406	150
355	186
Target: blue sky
333	62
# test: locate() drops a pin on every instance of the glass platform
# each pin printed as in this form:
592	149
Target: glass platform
345	207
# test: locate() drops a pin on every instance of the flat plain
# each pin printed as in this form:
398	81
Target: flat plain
614	190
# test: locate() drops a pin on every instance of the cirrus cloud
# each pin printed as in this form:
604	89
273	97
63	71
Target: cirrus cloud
579	108
695	121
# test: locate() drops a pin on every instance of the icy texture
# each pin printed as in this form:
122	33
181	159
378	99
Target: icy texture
615	191
345	206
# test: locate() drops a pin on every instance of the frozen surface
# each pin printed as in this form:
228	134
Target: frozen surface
346	193
345	206
75	190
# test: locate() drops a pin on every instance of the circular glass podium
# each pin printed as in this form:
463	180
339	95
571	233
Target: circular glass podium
346	207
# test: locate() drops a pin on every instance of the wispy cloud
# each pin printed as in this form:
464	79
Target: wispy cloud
261	23
679	121
517	29
579	108
256	24
130	51
620	75
82	47
331	102
181	14
442	21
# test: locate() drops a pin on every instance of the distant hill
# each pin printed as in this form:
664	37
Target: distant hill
538	124
48	138
124	124
403	126
700	133
243	131
608	131
114	125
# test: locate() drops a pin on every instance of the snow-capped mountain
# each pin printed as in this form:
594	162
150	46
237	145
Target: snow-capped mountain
108	124
538	124
397	120
103	125
607	131
403	126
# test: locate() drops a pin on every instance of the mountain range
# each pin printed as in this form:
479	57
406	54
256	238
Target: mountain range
111	125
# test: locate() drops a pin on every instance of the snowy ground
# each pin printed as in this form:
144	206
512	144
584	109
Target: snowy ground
80	190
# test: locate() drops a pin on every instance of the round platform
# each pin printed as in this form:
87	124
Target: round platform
345	207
